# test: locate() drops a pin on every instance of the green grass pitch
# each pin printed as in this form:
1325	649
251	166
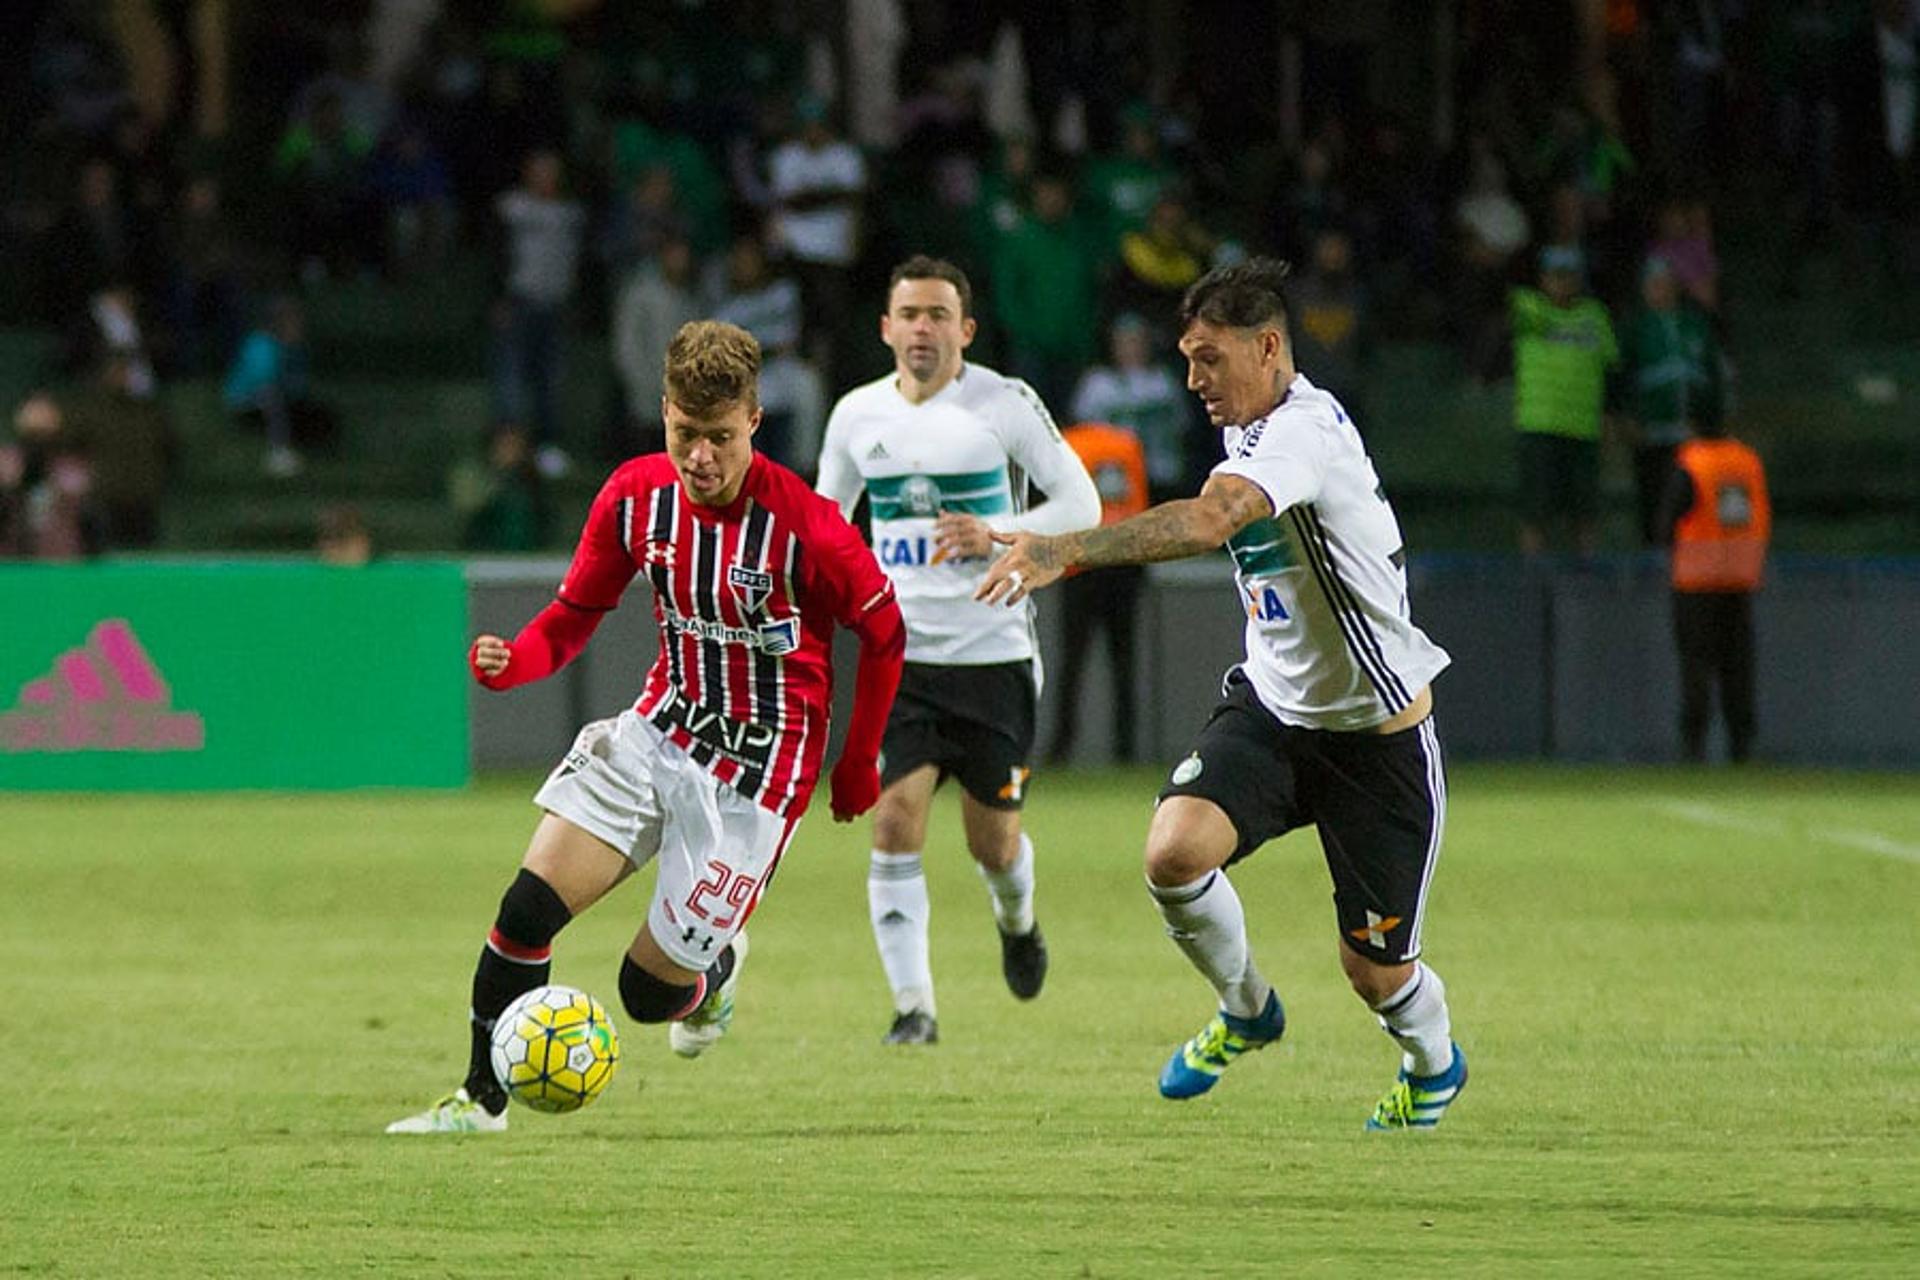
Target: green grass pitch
1689	1001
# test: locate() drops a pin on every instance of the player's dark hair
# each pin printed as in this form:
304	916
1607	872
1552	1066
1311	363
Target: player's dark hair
922	267
1243	296
711	363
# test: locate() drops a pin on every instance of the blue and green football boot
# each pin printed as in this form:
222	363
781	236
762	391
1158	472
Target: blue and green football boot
1196	1065
1418	1102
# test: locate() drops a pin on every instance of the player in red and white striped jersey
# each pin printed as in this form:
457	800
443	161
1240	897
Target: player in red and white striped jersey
709	771
746	597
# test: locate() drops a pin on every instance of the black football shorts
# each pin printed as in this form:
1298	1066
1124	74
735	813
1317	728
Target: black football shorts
975	723
1379	801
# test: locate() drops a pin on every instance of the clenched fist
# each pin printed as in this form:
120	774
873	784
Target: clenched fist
489	657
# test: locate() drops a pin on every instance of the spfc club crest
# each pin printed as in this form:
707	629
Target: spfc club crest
753	586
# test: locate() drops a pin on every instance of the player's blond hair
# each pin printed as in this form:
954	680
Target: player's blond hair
711	363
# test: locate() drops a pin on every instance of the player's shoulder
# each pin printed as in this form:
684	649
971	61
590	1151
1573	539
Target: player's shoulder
865	399
1317	405
827	543
640	475
979	383
1003	396
791	499
1308	415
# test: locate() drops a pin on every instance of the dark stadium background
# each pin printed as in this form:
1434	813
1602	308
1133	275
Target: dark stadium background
192	123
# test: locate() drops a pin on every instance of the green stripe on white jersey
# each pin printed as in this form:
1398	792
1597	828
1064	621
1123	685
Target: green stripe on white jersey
959	451
920	496
1261	549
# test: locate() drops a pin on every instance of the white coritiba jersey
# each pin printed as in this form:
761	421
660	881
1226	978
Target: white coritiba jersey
971	447
1330	641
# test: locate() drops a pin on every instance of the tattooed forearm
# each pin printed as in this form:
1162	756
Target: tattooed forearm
1170	531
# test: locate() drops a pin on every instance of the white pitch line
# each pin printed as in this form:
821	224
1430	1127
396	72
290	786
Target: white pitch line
1708	815
1712	815
1874	842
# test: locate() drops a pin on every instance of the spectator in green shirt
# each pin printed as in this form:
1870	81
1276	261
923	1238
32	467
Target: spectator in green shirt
1004	193
699	193
1046	293
1123	185
322	163
500	500
1673	385
1563	345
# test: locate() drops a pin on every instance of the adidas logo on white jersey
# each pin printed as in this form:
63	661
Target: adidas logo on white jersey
877	452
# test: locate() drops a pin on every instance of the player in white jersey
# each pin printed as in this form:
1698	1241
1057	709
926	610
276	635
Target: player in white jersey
944	451
1329	720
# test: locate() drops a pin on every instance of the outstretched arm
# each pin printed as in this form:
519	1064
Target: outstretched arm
554	637
1170	531
600	571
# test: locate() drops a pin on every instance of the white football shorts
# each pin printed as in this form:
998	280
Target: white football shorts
625	783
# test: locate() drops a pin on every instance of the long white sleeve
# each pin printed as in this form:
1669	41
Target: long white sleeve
839	479
1035	443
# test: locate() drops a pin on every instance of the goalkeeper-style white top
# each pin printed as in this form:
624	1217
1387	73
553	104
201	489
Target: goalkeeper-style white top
1330	641
972	447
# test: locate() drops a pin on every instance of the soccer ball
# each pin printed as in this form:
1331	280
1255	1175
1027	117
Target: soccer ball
554	1049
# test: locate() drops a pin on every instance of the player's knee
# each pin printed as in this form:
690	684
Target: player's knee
648	999
1174	861
1188	838
996	852
531	913
890	833
996	859
896	826
1371	980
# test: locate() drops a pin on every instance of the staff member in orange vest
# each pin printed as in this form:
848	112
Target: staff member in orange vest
1104	598
1720	518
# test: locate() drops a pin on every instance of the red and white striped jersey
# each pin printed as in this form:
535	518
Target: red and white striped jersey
746	598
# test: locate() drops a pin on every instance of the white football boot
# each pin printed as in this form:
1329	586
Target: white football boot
455	1113
697	1032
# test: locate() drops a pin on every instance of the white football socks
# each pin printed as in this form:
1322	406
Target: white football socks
898	906
1206	921
1416	1016
1012	891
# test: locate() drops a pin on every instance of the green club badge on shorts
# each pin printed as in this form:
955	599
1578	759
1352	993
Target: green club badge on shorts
1187	770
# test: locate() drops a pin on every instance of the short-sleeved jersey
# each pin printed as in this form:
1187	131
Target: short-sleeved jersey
1560	360
972	447
1330	641
746	598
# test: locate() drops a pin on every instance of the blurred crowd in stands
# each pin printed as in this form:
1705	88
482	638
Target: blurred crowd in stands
182	177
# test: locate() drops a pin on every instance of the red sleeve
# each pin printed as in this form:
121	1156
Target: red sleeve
851	583
839	567
883	652
602	566
600	572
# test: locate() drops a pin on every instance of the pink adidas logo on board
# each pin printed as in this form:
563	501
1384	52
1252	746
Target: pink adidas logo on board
104	696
